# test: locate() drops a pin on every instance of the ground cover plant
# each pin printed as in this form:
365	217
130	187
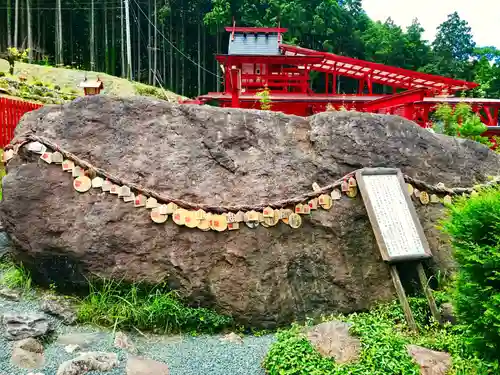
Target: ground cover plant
384	336
114	304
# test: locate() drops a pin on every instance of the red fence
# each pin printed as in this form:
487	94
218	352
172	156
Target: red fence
11	112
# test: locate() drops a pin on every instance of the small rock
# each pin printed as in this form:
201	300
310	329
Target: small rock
122	341
23	326
71	348
91	361
447	313
332	339
145	366
28	354
232	337
59	307
430	361
9	294
83	340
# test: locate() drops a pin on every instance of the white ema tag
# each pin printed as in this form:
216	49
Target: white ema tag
36	147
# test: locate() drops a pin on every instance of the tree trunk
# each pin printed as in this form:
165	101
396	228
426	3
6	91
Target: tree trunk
92	36
138	42
59	42
9	23
106	39
177	63
113	41
122	43
199	54
39	31
164	52
30	40
204	59
155	54
149	42
171	54
16	23
183	49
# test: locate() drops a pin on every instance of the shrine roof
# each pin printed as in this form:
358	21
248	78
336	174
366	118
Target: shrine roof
378	73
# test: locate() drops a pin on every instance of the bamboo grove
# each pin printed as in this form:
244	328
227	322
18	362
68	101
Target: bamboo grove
173	42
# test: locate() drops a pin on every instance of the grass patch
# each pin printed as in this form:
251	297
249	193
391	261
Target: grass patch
384	336
15	277
113	304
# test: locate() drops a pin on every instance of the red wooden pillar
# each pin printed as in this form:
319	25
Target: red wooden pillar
361	86
408	111
334	83
326	82
235	87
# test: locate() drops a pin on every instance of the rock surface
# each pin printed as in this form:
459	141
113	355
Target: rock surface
23	326
211	155
448	313
430	361
91	361
28	354
59	307
145	366
332	339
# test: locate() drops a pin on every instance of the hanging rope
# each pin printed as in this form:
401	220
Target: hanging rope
93	171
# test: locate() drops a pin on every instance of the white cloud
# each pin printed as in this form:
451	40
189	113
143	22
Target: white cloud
482	15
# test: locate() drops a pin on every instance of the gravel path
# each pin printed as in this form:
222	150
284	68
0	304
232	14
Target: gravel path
184	355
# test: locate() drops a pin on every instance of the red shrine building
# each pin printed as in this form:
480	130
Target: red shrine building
257	59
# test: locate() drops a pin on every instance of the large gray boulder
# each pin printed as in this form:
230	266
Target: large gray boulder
210	155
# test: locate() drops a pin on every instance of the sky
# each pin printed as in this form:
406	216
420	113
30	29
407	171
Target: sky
483	16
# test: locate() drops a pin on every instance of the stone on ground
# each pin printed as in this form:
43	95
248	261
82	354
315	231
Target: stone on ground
28	354
122	341
10	294
145	366
232	338
59	307
22	326
86	362
333	340
263	276
82	340
430	361
448	313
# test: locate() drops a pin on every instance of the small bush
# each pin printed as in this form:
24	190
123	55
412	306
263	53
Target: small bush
474	228
2	74
112	304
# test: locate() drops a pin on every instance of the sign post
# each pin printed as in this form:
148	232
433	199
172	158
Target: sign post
398	232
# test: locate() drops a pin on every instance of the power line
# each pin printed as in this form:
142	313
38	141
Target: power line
173	46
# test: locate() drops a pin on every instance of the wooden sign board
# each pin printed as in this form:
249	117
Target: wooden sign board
398	231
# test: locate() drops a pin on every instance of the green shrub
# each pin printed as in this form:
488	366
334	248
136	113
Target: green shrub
113	304
474	228
2	74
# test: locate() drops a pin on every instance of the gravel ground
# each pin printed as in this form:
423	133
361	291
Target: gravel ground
185	355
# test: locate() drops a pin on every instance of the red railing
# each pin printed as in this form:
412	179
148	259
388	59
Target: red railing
11	112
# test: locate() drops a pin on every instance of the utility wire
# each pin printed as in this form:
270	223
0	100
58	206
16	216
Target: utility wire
173	46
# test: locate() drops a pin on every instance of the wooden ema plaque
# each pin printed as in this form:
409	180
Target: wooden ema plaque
398	231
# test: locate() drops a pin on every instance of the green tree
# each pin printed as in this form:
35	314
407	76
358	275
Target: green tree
453	46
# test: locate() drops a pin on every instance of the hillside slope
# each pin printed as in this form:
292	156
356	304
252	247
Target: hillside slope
68	81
